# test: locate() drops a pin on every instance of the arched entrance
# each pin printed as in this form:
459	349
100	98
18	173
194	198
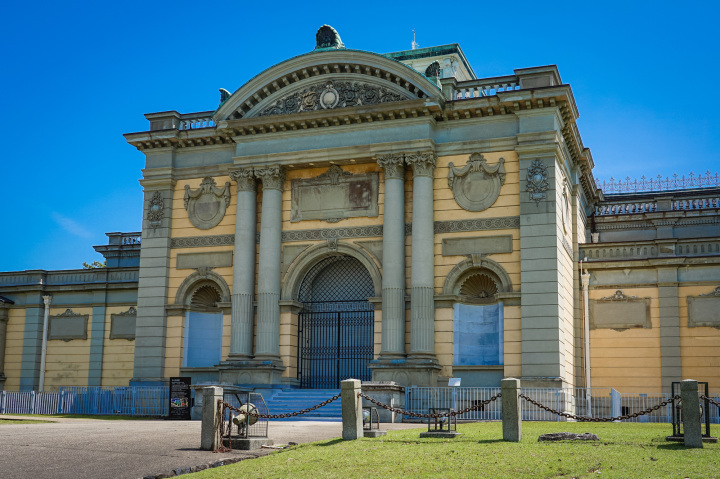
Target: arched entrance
335	326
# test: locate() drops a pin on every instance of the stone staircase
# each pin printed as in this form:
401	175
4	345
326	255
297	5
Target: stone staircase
291	400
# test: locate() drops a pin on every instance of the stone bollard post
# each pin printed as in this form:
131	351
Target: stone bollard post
692	429
351	409
210	419
511	414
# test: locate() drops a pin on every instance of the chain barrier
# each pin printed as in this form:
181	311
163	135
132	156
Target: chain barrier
711	400
430	416
223	407
599	419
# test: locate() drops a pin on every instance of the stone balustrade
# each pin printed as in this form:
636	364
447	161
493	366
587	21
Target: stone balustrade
625	208
653	249
99	275
696	203
484	87
192	122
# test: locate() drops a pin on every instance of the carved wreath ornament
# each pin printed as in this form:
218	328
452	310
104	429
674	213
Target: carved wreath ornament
537	183
476	186
206	205
155	212
330	95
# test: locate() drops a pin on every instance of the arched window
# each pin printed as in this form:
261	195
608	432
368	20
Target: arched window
202	341
478	320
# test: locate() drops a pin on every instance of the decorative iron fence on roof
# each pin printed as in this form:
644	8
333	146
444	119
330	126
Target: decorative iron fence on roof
668	183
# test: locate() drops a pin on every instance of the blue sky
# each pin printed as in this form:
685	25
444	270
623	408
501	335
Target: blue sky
75	76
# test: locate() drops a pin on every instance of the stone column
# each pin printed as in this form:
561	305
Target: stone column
422	307
393	280
243	314
3	335
268	311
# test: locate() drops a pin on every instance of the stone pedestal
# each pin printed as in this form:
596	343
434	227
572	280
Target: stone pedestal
441	434
251	372
247	444
374	433
406	372
211	396
386	392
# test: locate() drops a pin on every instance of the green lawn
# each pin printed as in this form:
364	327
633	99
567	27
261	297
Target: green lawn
625	450
8	422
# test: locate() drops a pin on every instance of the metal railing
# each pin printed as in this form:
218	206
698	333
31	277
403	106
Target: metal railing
123	401
669	183
594	402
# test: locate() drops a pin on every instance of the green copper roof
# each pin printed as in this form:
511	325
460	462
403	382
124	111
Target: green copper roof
432	52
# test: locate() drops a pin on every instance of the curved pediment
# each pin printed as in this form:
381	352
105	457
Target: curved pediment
326	80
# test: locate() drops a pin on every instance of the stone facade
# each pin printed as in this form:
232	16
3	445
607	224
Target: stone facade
468	205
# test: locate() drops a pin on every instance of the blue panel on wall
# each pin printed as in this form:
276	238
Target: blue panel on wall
203	339
478	335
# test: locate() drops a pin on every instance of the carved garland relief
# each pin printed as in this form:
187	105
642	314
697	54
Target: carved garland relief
332	94
206	205
476	186
155	212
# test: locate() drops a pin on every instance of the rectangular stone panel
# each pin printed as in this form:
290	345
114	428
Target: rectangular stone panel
620	314
334	195
217	259
703	311
477	244
122	325
68	326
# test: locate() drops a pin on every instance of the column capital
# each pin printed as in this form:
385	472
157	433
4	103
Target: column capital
47	299
272	177
393	164
423	163
244	178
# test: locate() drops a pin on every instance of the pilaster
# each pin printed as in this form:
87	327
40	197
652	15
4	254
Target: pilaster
32	343
669	311
153	281
543	354
3	338
97	339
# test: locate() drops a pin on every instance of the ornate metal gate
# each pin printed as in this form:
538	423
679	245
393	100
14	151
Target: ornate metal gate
335	326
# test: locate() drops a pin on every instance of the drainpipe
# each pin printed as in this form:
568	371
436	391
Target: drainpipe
47	299
586	325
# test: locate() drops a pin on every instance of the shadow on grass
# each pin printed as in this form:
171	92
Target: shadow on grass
673	446
332	442
489	441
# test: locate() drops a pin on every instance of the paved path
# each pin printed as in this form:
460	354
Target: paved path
98	449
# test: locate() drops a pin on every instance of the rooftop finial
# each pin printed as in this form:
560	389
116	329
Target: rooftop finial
414	43
327	37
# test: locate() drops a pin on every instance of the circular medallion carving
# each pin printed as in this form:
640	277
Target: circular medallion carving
476	186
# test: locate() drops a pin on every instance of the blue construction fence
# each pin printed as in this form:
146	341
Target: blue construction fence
114	401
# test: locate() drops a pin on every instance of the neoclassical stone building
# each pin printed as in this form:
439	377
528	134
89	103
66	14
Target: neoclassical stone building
390	218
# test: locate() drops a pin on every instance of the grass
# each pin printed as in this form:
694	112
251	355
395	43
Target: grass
625	450
7	422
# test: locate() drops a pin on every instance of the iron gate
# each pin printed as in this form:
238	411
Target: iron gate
335	342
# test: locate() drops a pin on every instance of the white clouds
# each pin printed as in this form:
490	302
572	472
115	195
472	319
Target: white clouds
71	226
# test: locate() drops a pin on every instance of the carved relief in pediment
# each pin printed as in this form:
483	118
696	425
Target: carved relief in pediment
206	205
331	94
476	186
